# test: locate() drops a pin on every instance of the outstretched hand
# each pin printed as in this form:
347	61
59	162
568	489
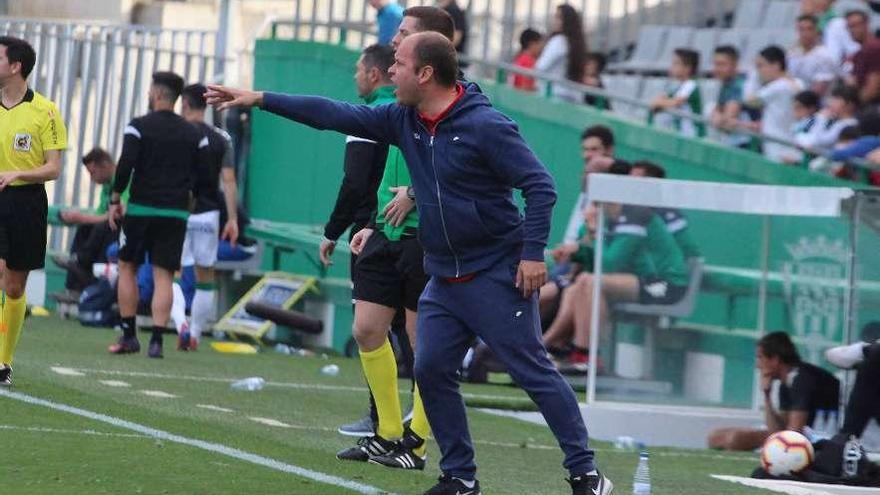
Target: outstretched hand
222	97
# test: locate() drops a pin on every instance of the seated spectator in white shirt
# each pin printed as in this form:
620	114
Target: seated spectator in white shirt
839	113
809	60
833	27
805	107
775	97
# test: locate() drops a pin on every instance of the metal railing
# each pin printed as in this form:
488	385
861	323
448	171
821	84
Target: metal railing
357	35
98	75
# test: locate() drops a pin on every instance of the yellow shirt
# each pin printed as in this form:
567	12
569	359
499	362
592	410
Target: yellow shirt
27	131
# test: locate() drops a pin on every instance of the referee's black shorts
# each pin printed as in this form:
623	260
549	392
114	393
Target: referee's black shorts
23	223
159	237
390	273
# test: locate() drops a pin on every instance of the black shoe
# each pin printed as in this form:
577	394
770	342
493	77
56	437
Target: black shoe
593	483
155	350
363	427
403	456
125	345
367	447
447	485
5	375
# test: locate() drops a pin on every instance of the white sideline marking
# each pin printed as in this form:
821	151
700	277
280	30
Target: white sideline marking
798	488
214	408
42	429
301	386
66	371
200	444
269	422
158	393
114	383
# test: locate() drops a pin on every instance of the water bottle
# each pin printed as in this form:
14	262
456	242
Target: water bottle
625	443
330	370
642	479
251	384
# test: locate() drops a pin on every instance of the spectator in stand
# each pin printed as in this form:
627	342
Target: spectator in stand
459	19
864	147
729	111
593	70
774	98
809	60
531	42
866	62
93	232
839	113
683	95
388	16
834	33
565	53
804	390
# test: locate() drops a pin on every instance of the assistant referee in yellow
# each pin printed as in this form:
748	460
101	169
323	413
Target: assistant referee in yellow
32	136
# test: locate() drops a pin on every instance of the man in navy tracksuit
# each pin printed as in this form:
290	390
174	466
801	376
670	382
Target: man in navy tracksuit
485	260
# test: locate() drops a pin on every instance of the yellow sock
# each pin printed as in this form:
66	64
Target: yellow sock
419	424
380	368
13	319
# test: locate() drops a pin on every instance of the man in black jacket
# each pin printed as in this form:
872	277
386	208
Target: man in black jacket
162	155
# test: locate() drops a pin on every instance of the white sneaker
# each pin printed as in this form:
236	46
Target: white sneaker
846	356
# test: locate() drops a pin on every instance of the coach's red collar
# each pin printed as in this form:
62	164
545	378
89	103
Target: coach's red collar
431	123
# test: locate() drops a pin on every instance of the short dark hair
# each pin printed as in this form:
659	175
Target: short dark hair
600	59
19	50
808	99
848	94
438	52
433	19
779	344
651	169
620	167
600	132
860	13
97	155
194	96
728	51
527	37
809	18
379	57
689	58
774	55
171	83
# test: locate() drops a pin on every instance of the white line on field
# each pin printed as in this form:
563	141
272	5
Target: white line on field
304	386
42	429
269	422
66	371
214	408
159	394
114	383
200	444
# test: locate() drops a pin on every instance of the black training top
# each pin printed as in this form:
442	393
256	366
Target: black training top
219	155
809	388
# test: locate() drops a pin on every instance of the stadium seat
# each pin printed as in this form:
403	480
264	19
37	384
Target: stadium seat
676	37
758	39
749	14
733	37
651	39
681	309
781	13
626	86
704	42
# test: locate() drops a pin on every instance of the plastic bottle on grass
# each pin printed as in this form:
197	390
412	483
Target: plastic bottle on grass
330	370
251	384
642	479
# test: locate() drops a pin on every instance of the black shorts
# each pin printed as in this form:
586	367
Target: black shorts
23	224
653	290
159	237
390	273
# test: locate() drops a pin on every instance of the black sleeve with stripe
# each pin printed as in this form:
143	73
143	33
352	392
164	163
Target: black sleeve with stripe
131	146
362	160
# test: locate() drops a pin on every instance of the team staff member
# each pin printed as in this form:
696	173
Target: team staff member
203	226
161	155
485	261
32	136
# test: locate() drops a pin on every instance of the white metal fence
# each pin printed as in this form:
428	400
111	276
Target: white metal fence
98	75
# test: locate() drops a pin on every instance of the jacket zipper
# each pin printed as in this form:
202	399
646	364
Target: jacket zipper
440	204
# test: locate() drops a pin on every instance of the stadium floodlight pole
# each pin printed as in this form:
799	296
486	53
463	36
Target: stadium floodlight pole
596	302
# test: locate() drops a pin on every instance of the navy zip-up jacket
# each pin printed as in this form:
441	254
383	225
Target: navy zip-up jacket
464	175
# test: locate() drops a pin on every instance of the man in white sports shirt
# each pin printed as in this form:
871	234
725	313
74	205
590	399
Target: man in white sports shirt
203	227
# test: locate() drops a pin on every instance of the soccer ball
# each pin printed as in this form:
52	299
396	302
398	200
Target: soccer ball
785	453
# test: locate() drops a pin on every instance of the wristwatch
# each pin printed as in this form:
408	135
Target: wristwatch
411	193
